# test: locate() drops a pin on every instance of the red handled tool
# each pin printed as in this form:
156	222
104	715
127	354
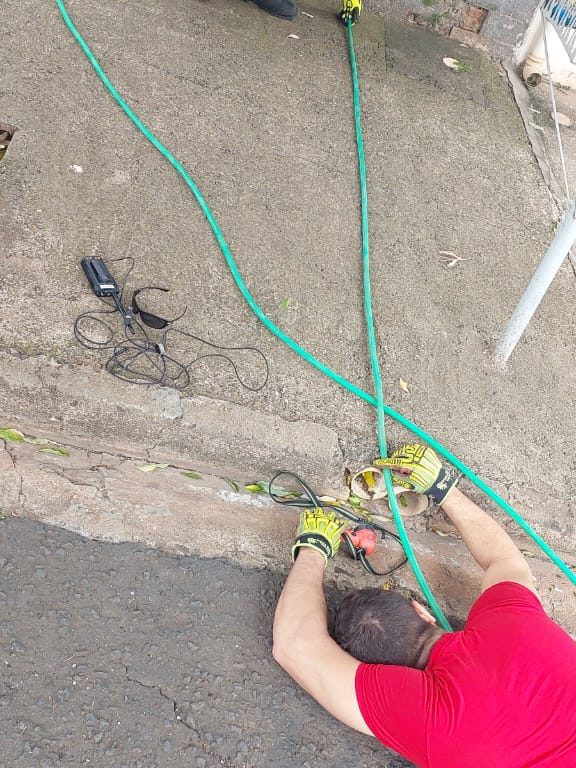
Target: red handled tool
362	539
361	543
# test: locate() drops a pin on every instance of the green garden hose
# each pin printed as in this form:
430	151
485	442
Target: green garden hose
377	401
374	364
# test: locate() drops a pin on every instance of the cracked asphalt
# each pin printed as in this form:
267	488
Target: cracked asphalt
118	655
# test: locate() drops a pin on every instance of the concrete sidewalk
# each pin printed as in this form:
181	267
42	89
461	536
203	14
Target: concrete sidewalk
263	122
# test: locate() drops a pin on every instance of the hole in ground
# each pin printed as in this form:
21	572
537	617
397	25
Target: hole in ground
7	132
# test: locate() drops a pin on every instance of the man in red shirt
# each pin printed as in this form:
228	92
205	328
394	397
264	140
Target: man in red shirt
499	694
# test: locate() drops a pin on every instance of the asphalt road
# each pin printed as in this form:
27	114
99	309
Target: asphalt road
117	655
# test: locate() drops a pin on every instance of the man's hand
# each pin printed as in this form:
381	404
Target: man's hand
319	530
350	12
425	472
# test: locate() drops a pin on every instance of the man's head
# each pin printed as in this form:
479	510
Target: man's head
383	627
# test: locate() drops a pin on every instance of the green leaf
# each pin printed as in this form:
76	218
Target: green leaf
11	435
262	486
55	451
232	484
192	475
35	440
284	304
152	467
356	504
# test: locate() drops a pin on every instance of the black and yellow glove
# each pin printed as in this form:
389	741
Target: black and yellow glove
319	530
426	473
350	11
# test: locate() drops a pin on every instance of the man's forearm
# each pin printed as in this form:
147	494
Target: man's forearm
303	647
484	537
301	611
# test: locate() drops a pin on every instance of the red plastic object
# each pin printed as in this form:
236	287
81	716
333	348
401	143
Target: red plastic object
363	538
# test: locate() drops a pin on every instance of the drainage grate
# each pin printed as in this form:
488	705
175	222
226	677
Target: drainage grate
6	134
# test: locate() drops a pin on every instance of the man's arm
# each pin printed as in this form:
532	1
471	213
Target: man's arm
494	551
488	542
303	647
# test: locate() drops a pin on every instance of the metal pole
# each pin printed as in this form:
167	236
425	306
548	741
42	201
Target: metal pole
553	259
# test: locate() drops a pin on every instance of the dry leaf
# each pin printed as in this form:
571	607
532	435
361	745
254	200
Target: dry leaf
55	451
35	440
527	553
11	435
152	467
449	258
456	64
404	387
562	119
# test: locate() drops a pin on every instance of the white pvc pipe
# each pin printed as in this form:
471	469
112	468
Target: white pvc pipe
553	259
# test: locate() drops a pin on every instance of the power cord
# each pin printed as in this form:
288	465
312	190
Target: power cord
139	359
308	498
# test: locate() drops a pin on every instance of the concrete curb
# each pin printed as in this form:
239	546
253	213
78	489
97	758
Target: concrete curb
98	411
104	496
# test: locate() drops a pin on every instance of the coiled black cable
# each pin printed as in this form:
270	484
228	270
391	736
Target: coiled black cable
139	359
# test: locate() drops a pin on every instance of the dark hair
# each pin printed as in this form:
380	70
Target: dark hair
381	627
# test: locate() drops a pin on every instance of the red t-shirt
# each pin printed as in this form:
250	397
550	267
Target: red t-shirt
499	694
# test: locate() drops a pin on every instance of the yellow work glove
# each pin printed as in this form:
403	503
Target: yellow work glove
425	473
350	11
319	530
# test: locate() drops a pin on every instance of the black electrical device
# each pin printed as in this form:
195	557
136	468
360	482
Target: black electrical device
104	286
99	277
